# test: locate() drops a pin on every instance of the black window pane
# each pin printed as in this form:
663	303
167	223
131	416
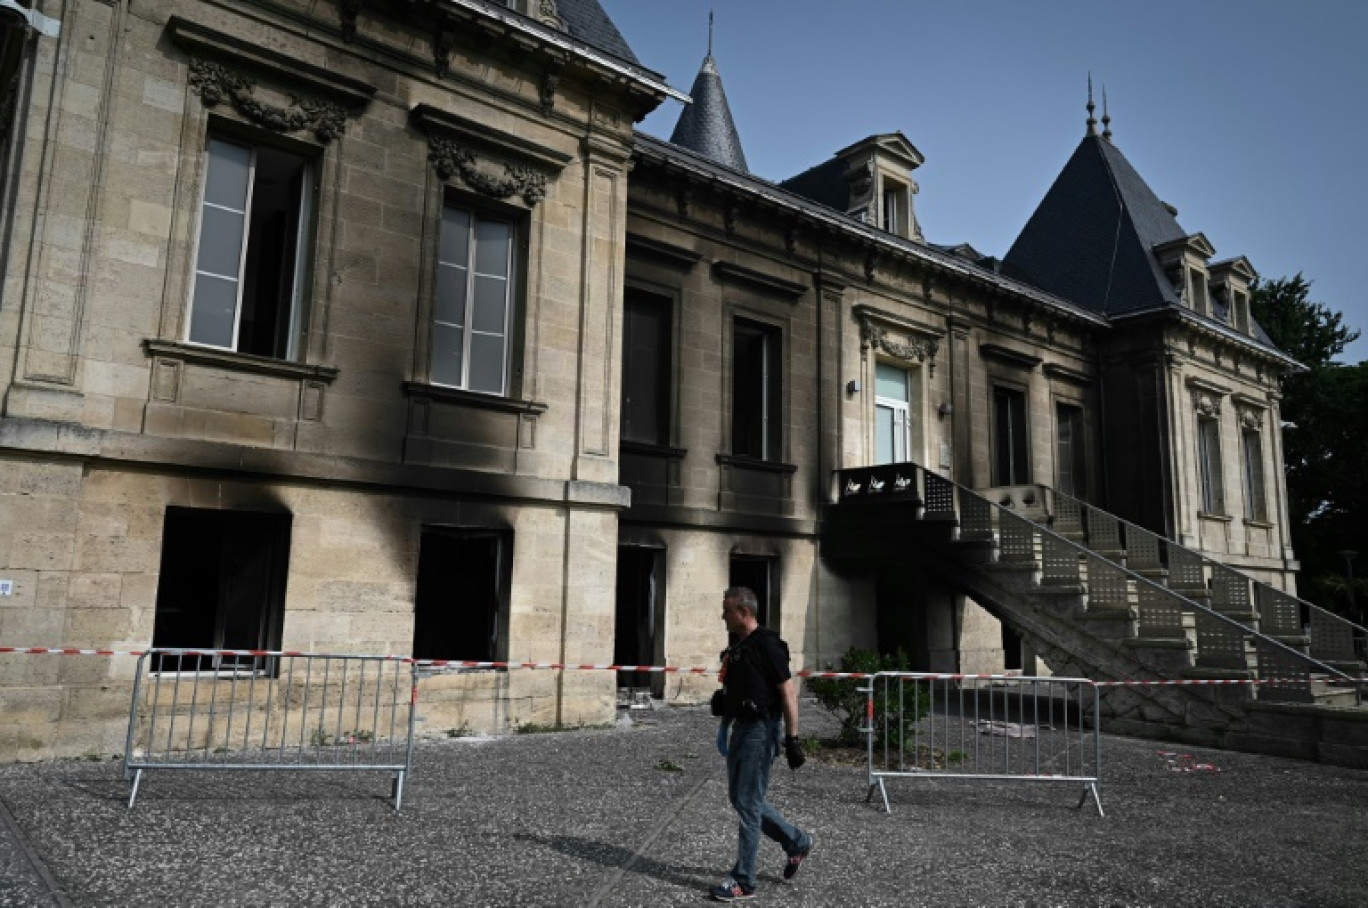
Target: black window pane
757	392
646	369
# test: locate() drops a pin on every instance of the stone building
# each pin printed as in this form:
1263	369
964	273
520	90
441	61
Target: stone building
375	328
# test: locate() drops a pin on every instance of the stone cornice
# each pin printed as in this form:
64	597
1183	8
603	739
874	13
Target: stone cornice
1008	355
453	141
758	280
202	41
444	124
1064	373
225	458
647	247
921	346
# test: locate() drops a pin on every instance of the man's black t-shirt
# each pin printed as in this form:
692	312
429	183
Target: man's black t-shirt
753	668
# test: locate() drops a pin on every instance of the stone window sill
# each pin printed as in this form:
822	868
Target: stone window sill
754	463
421	390
238	362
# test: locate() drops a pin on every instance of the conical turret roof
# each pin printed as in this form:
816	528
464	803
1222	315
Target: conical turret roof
706	127
1092	238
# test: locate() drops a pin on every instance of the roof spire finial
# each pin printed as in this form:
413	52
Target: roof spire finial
710	30
1106	117
1092	121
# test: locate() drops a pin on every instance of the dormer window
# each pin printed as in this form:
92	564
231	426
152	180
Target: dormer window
1240	312
895	208
1230	288
1197	292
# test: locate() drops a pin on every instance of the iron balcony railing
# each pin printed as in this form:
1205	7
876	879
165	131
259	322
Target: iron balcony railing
1329	637
1167	585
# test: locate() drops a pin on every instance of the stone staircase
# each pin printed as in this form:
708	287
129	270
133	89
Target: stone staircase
1101	598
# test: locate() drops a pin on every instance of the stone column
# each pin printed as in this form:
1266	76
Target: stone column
600	354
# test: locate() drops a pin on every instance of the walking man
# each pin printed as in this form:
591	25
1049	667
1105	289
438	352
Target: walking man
757	693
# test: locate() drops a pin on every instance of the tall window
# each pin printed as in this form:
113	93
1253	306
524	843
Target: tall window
757	391
760	573
1256	504
1071	451
251	264
221	585
890	210
646	368
470	315
892	424
458	605
1198	291
1209	464
1011	465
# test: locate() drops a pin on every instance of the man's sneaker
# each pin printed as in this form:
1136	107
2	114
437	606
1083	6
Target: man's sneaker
729	890
796	860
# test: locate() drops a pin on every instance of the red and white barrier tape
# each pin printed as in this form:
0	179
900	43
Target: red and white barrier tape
662	669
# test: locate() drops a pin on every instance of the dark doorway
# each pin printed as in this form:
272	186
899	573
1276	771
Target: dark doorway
757	572
1011	649
222	585
637	639
458	605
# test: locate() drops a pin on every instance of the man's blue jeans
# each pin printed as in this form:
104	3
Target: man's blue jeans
750	754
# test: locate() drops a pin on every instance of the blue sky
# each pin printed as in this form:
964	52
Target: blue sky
1249	116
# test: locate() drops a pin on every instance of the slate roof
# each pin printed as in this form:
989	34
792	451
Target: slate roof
706	127
781	198
1091	238
586	20
825	183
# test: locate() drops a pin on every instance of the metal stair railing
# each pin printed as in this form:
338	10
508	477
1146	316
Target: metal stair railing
1279	614
1285	674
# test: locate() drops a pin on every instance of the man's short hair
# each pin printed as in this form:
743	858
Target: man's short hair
744	597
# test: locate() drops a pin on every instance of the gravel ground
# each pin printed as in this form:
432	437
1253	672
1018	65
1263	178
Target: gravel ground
638	815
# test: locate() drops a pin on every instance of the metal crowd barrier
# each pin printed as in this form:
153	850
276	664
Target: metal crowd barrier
240	710
1001	727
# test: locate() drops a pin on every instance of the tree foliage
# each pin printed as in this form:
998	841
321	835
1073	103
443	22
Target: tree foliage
1325	430
1305	330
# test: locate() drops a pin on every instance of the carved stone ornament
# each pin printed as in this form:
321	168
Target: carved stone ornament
1251	418
861	180
449	159
347	11
876	336
443	44
215	83
547	14
871	264
550	81
1206	403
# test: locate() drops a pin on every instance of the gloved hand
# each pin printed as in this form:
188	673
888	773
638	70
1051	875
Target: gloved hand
723	728
793	752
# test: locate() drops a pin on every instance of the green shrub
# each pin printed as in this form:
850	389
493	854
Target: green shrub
844	698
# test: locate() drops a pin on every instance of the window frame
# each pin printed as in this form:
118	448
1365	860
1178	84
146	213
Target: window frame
771	390
1211	477
501	581
896	409
663	370
1018	468
516	310
304	257
1077	454
1255	480
271	535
